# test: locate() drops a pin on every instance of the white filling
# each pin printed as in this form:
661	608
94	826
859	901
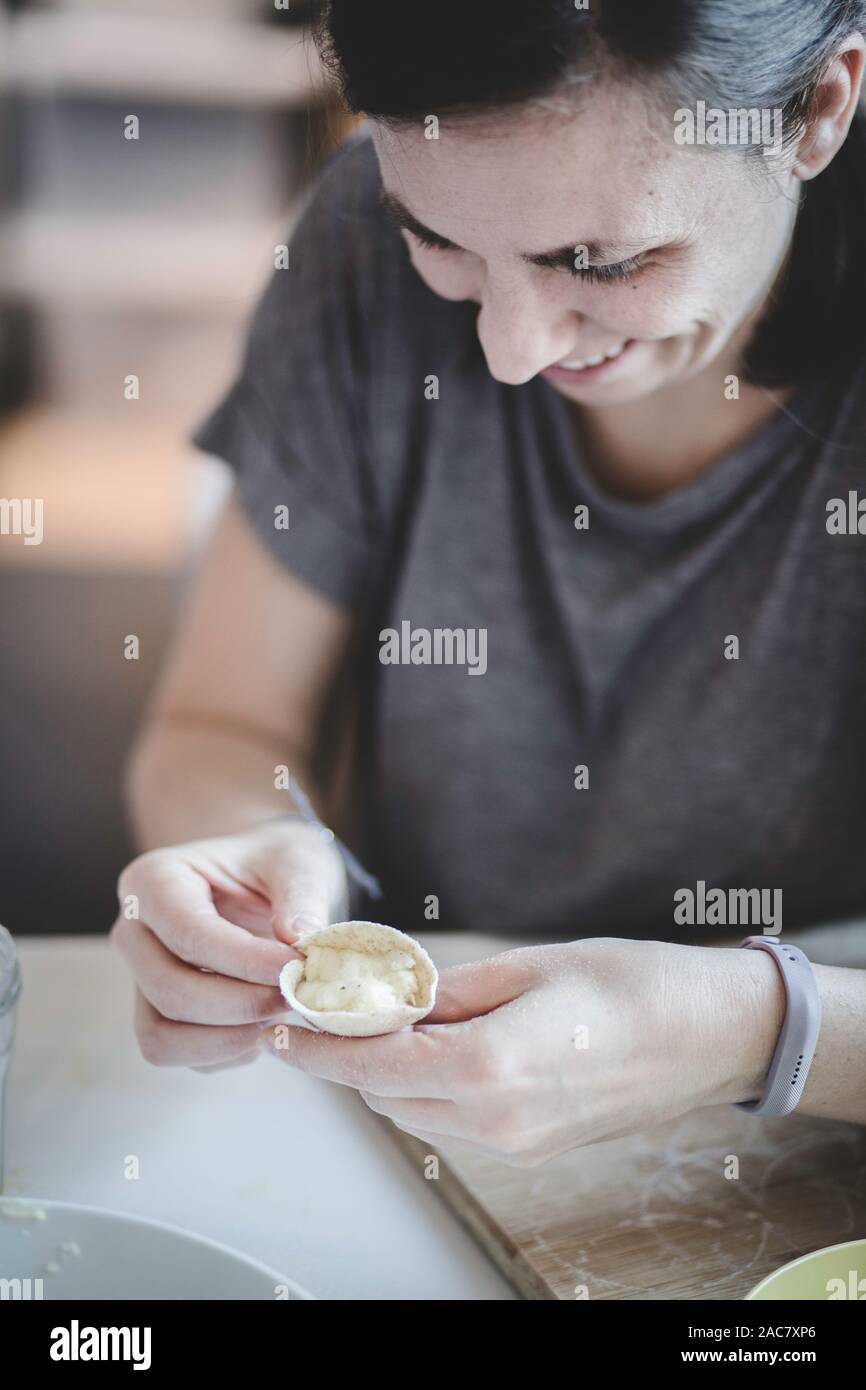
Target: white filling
357	982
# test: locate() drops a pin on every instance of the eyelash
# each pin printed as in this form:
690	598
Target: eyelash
431	245
591	274
606	274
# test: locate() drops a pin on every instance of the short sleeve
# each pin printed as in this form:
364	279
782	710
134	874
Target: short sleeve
294	426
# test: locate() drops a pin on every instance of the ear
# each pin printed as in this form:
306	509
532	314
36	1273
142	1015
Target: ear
835	103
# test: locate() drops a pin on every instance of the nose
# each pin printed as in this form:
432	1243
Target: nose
521	334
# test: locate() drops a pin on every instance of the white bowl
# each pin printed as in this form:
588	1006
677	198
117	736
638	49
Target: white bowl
84	1252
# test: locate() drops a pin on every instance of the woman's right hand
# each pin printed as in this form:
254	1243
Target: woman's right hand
206	928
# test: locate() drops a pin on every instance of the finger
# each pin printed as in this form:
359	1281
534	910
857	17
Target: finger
399	1064
252	912
438	1141
175	901
469	991
184	995
243	1061
304	881
164	1043
440	1117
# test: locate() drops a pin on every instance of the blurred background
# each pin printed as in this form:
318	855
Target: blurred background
121	257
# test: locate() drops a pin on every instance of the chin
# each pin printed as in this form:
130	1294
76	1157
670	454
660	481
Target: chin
613	393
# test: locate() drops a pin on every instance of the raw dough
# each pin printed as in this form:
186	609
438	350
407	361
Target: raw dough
359	979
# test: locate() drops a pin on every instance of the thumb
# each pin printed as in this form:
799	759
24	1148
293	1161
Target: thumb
468	991
306	885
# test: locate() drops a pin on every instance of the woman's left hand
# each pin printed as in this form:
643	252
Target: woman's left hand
536	1051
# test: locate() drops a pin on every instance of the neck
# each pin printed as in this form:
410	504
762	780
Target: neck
644	449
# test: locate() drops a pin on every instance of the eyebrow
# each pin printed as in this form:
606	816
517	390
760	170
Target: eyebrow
552	260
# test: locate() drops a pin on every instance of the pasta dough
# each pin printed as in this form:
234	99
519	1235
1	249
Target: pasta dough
359	979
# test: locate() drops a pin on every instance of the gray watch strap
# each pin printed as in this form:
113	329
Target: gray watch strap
798	1038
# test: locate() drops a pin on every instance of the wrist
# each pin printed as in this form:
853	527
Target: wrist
751	1005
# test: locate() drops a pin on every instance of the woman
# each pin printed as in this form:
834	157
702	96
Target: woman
538	442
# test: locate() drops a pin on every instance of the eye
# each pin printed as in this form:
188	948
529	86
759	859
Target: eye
607	274
430	245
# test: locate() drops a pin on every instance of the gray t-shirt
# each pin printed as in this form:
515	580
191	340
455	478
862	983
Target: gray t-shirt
439	505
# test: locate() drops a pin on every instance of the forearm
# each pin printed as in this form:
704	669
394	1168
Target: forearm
836	1088
190	778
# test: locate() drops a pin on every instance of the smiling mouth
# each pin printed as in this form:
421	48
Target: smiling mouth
581	364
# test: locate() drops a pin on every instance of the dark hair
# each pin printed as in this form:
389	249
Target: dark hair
398	61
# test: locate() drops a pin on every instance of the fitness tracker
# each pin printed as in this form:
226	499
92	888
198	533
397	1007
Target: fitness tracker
799	1036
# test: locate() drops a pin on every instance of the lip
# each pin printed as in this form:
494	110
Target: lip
585	375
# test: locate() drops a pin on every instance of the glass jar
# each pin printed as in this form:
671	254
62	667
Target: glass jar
10	986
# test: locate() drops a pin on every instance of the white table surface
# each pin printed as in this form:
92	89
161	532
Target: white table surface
289	1169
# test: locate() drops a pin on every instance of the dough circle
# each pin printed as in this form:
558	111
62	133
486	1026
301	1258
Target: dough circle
367	939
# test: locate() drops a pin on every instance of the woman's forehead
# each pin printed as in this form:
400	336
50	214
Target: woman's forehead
611	173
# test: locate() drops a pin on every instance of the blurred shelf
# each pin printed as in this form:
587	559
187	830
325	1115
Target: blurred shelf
235	9
297	12
144	257
202	265
214	60
120	491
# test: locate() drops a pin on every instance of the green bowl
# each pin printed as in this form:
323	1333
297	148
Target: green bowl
810	1277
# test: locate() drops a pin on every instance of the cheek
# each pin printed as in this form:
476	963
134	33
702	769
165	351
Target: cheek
452	277
638	311
663	309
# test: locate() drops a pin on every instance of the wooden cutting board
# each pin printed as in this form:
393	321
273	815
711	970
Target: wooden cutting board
653	1216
